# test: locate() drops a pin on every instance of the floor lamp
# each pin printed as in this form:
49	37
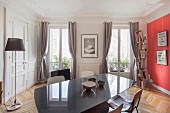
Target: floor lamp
15	44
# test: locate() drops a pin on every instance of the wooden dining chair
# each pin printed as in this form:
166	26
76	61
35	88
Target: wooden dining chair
135	103
117	110
55	79
129	106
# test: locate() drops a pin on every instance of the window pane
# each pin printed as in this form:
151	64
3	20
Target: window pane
124	50
66	57
54	92
112	80
113	52
54	48
64	90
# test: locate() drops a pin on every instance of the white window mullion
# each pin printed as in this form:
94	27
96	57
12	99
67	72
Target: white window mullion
60	50
119	51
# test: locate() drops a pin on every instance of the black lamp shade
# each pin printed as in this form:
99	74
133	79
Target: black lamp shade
15	44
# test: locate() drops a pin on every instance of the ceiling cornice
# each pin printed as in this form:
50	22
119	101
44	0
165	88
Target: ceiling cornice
20	9
160	12
94	19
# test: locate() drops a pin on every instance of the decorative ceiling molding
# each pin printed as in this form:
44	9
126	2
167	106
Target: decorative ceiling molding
82	8
94	19
21	10
155	7
39	9
160	12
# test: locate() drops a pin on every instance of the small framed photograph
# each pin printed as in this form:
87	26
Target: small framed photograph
89	45
162	38
162	57
143	55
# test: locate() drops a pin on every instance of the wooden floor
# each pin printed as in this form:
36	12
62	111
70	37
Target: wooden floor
152	101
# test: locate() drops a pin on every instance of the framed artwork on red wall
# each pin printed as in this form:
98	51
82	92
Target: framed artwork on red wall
162	57
162	38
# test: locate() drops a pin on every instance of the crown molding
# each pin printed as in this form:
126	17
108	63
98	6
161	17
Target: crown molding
20	10
94	19
160	12
157	6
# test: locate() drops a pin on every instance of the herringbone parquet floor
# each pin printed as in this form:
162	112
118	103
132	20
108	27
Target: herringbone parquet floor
152	101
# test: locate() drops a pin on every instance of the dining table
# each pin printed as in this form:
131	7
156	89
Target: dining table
71	97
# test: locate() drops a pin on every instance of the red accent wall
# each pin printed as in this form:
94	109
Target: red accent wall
159	73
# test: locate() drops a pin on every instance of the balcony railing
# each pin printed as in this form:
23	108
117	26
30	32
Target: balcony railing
55	65
113	67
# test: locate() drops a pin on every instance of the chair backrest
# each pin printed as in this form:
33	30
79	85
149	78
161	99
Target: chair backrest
118	109
55	79
89	67
86	73
64	72
136	99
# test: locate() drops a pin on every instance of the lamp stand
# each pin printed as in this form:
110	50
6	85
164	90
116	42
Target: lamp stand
16	104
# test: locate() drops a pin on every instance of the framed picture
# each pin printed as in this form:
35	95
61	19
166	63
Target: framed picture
89	47
162	38
143	55
162	57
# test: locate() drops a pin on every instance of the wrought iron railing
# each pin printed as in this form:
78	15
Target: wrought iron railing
55	65
113	67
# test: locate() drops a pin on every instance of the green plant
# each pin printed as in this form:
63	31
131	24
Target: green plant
65	62
56	58
113	63
124	63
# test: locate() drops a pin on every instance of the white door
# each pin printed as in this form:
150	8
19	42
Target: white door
32	55
19	30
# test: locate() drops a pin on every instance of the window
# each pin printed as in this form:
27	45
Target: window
60	57
119	53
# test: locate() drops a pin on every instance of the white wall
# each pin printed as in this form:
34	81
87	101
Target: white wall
94	25
21	13
89	28
1	42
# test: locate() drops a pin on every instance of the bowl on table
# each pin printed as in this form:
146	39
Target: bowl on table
88	85
101	83
92	79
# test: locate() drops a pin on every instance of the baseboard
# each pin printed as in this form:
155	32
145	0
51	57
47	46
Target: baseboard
160	88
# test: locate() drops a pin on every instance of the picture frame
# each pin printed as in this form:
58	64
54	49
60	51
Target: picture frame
89	45
143	55
162	57
162	38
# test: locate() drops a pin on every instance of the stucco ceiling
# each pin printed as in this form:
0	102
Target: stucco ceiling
131	8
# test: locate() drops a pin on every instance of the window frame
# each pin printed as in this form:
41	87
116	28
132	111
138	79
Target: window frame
60	27
119	27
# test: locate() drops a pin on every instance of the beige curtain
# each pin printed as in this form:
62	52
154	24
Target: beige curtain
72	45
134	27
43	74
106	44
